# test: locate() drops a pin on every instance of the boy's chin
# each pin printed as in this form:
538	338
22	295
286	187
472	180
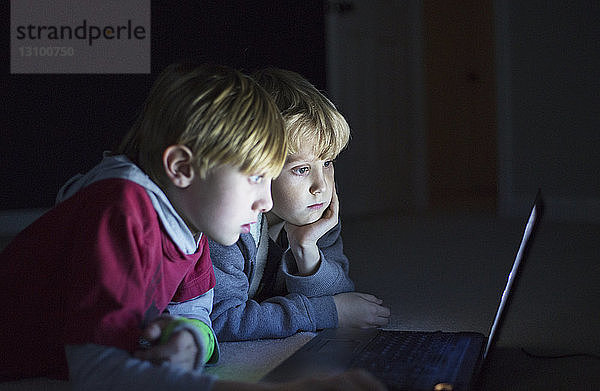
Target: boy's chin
307	221
301	220
225	240
313	218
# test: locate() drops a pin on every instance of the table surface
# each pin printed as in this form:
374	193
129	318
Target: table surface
446	273
507	369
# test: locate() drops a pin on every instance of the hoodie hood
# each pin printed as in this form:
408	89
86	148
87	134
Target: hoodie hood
120	167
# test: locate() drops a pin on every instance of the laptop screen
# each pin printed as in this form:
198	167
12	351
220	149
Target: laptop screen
534	217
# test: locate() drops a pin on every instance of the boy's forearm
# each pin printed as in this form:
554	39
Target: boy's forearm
330	278
277	317
307	258
199	309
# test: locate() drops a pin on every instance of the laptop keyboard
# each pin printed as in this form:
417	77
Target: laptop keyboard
407	360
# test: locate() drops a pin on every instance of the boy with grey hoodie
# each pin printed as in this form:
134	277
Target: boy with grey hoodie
290	273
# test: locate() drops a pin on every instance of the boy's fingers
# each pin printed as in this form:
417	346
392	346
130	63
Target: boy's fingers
377	321
384	312
383	320
152	332
334	197
369	297
157	353
328	214
334	206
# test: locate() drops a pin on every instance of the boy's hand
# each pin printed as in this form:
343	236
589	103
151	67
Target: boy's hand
303	239
360	310
180	349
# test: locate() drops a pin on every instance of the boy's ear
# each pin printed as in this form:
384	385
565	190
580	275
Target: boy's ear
177	162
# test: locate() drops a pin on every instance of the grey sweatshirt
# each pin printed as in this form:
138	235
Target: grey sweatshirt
284	303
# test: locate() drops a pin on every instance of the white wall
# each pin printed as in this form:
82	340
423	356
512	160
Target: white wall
375	77
548	64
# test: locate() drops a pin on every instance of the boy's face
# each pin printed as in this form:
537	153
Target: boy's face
224	203
303	190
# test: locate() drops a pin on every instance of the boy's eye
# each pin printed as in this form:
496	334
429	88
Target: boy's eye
256	178
328	163
301	170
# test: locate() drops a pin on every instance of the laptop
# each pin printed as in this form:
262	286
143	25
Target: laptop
409	360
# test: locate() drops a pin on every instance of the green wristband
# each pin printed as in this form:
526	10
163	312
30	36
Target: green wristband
204	332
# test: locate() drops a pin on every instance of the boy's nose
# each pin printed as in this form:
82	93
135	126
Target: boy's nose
319	184
264	203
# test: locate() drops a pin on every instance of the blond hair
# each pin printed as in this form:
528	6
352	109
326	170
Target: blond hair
308	115
223	116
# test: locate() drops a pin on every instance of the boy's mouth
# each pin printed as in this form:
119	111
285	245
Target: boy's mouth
246	227
316	206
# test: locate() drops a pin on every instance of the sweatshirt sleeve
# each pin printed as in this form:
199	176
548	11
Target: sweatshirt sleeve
198	308
95	367
237	317
330	278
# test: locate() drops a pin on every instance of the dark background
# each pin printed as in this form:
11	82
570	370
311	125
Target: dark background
507	102
536	116
56	125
